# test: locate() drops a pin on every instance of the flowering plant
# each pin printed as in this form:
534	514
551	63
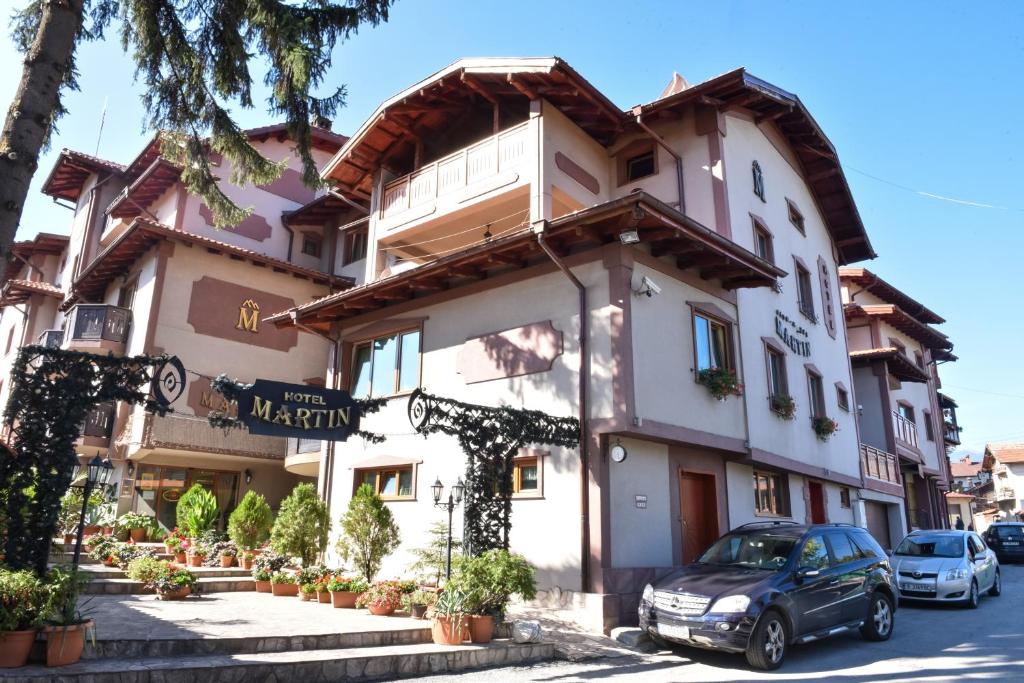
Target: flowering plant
174	578
343	584
175	539
382	595
308	588
824	426
720	382
261	574
784	406
281	577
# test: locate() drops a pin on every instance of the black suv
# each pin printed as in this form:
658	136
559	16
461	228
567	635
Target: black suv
1007	540
766	585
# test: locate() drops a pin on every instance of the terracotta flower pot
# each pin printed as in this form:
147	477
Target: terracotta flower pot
179	594
69	539
108	531
381	610
15	647
446	631
91	530
181	557
305	597
418	611
196	560
227	560
289	590
245	563
108	562
346	599
64	644
262	586
323	597
138	535
481	628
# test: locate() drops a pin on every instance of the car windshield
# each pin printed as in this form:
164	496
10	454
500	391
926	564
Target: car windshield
754	550
1009	532
931	545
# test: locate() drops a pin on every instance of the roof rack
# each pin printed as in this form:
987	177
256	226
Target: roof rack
775	522
836	524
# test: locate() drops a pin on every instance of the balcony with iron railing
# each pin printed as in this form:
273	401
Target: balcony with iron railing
99	424
99	328
879	465
904	429
1006	493
51	339
951	433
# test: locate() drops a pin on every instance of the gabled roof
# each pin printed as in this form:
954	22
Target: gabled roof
945	401
149	186
17	291
71	170
321	138
671	233
42	243
323	208
902	321
864	278
1005	453
899	365
818	157
964	469
142	234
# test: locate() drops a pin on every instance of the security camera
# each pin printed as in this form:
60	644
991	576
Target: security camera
649	286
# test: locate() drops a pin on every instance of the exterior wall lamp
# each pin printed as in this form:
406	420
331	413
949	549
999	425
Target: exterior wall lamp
248	477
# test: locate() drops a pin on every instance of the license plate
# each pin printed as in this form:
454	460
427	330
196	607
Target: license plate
917	587
670	631
1011	542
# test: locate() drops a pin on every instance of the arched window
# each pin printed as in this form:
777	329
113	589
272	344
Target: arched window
758	180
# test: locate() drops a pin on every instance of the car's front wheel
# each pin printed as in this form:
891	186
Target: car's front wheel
768	642
972	597
997	585
878	625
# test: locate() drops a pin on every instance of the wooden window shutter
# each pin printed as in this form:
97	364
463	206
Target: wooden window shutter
828	312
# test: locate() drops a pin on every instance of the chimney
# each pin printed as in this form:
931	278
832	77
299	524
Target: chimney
677	85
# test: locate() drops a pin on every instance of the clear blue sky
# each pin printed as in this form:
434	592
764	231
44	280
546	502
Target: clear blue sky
925	95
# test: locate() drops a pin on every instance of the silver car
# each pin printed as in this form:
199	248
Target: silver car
945	566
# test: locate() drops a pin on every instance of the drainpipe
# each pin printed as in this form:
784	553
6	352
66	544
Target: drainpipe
679	159
584	411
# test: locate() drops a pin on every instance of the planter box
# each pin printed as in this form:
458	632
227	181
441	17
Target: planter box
323	597
179	594
262	586
137	535
227	561
481	628
289	590
346	599
379	611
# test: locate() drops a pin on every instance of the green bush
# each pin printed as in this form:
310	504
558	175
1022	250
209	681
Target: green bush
368	532
22	597
146	569
63	586
134	520
302	525
490	580
250	523
432	559
197	511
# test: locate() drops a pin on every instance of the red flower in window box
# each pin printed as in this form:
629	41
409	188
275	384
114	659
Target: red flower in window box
824	426
784	406
720	382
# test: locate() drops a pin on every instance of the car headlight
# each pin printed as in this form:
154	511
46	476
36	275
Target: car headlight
731	604
954	574
648	596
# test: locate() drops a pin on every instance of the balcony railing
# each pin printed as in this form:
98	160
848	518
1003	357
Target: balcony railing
98	323
486	159
1006	494
879	465
99	422
951	433
51	339
906	431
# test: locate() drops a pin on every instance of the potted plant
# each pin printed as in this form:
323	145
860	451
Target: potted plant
262	578
382	598
784	406
174	583
249	523
66	627
146	569
307	592
264	567
431	559
21	600
227	555
197	555
418	602
449	624
181	554
824	426
721	383
302	525
245	560
135	524
345	591
368	532
173	541
100	548
488	581
124	553
283	585
323	596
100	516
196	511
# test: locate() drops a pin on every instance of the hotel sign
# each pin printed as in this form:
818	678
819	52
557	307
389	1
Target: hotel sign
298	410
793	335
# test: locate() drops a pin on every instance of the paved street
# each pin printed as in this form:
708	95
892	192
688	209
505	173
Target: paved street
929	644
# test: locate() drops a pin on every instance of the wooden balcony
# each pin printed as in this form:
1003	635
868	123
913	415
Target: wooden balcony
905	430
951	433
879	465
51	339
97	328
99	424
1006	493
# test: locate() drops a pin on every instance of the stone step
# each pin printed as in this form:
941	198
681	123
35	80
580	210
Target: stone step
360	663
212	584
102	572
181	647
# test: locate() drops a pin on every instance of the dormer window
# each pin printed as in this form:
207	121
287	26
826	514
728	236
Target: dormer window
636	161
755	169
311	245
640	166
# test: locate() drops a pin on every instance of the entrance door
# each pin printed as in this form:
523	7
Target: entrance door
877	515
817	496
698	511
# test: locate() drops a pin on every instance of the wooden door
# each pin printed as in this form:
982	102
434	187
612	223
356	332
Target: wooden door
877	517
698	512
817	496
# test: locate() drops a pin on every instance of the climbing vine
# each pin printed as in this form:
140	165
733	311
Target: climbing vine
52	392
490	438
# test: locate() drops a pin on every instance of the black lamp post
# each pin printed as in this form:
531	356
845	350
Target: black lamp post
454	498
97	473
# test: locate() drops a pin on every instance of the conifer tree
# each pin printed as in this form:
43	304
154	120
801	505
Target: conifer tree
195	58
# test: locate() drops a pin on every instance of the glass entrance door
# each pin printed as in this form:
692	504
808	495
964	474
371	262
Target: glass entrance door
158	488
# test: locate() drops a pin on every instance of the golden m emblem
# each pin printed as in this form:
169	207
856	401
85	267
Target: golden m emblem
248	316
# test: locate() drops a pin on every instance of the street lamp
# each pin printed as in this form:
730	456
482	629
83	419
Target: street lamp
97	473
454	498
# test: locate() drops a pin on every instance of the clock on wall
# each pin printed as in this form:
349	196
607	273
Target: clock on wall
617	452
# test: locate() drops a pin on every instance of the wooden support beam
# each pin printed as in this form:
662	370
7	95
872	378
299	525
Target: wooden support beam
522	87
827	173
478	88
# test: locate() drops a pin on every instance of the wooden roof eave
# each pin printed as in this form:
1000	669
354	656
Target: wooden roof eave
893	315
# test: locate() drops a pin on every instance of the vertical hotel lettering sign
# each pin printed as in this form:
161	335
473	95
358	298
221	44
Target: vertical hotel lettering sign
793	335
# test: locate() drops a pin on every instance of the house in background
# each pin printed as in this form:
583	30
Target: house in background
968	474
1005	462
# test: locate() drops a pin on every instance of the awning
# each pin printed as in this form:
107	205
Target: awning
899	366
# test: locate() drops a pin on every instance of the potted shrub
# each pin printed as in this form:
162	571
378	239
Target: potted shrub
264	567
431	559
100	548
227	555
382	598
307	592
66	627
146	569
488	581
824	426
721	383
449	624
174	583
323	596
418	602
197	555
262	578
245	559
135	524
21	600
345	591
250	522
302	525
196	511
784	406
283	585
124	553
368	532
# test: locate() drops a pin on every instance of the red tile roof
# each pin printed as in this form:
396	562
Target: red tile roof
964	469
1005	453
899	365
17	291
864	278
71	170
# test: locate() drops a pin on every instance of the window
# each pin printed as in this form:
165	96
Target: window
906	412
355	245
640	166
927	417
386	366
843	398
844	497
805	293
763	242
388	482
898	345
126	297
814	554
526	476
755	169
10	341
307	445
919	359
867	546
770	494
816	393
711	342
795	217
777	384
311	245
842	549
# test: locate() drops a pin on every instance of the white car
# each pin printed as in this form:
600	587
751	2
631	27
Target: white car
945	565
